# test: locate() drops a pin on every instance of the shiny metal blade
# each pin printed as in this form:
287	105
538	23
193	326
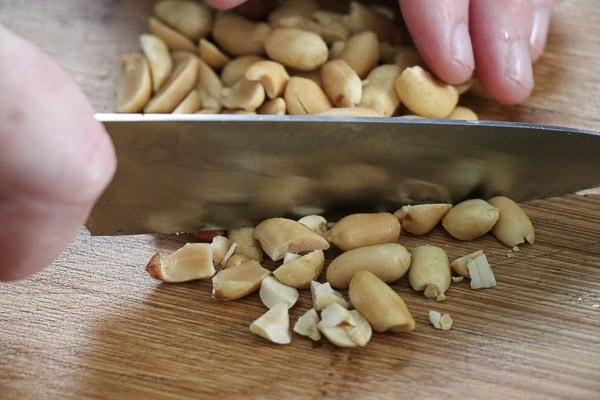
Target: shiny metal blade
191	172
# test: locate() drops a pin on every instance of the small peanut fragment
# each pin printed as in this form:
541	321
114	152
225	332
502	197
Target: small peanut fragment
239	281
460	265
219	245
513	226
361	52
470	219
439	320
299	272
177	87
174	40
389	262
316	223
135	84
379	92
307	325
271	74
303	96
379	304
420	219
344	328
430	271
274	325
335	314
323	295
159	59
278	236
425	95
191	18
341	84
190	262
239	36
364	229
235	259
273	292
296	48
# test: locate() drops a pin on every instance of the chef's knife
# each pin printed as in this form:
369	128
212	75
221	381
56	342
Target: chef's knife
181	173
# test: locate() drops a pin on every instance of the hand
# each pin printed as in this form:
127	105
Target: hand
55	159
499	40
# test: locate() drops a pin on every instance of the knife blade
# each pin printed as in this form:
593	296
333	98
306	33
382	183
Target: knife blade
181	173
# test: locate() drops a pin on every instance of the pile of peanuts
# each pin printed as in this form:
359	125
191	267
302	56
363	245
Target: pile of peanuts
369	257
294	57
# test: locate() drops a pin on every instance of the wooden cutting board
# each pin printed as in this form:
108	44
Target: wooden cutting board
94	325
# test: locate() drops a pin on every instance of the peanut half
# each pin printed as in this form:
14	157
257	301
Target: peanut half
190	262
176	41
272	75
296	48
341	84
246	243
361	53
389	262
430	271
470	219
191	18
364	229
273	292
513	226
239	36
303	96
300	271
159	59
379	92
379	304
135	84
460	265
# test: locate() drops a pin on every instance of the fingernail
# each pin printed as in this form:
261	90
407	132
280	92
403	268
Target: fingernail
539	30
462	51
518	64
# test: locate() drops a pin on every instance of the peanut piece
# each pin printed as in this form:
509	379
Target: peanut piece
273	292
174	40
303	96
389	262
274	325
422	218
470	219
239	36
364	229
341	84
178	86
135	84
289	8
361	52
439	320
316	223
323	295
460	265
274	106
190	262
299	272
335	314
271	74
307	325
235	259
430	271
190	104
219	246
463	113
379	304
296	48
425	95
239	281
513	226
481	273
379	92
159	59
188	17
344	328
209	87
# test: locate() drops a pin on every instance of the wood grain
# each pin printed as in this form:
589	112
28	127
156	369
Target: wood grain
94	325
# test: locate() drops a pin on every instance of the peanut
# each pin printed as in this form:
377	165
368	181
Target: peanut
274	325
341	84
272	75
300	272
379	92
296	48
361	52
364	229
211	54
188	17
420	219
430	271
239	36
246	243
244	95
307	325
174	39
190	104
236	69
424	95
470	219
303	96
379	304
159	59
513	226
239	281
190	262
273	292
135	84
389	262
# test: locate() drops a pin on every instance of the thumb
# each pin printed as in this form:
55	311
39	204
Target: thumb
55	158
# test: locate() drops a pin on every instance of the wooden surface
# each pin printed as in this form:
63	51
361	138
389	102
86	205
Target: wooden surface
94	325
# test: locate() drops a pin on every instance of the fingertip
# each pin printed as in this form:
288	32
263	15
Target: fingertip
539	31
224	4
